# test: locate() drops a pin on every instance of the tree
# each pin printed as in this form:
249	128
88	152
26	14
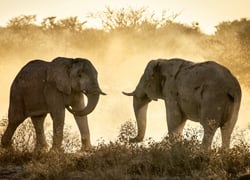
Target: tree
21	22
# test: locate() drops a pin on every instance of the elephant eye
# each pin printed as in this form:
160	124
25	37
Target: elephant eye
79	75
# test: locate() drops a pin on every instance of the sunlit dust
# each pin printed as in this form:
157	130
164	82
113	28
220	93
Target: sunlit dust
120	56
208	30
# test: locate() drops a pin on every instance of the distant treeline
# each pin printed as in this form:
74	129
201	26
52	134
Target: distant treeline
136	31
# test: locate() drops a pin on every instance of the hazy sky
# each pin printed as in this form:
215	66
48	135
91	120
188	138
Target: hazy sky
207	12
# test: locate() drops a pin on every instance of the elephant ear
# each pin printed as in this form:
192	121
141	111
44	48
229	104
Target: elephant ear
150	70
58	74
153	80
170	68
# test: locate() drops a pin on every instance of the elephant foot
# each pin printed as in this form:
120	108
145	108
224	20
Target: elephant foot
7	145
7	149
174	138
41	149
6	142
205	147
56	150
135	140
86	146
86	149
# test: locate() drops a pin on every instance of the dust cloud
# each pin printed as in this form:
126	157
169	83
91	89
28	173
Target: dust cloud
120	62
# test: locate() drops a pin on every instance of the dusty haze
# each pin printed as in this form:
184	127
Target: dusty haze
117	72
120	61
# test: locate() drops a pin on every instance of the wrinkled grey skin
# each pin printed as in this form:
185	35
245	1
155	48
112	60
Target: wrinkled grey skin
202	92
48	87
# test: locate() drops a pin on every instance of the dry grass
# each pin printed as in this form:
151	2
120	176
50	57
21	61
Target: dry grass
121	160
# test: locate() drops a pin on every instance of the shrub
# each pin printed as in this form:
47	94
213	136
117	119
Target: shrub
122	160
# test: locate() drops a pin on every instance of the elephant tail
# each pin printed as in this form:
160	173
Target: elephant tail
234	99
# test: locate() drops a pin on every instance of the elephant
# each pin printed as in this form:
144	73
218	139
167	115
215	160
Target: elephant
204	92
43	87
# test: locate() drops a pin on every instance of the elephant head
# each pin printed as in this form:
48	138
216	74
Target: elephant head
155	79
76	75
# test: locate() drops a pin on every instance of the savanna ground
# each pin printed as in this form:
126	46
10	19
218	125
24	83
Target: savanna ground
121	160
120	50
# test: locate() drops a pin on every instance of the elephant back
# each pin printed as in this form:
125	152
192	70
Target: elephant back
32	73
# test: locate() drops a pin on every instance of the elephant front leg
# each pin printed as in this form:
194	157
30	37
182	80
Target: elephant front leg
58	124
41	144
82	123
56	106
77	103
175	121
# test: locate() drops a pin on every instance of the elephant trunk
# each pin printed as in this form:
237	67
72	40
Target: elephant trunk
140	109
92	102
93	98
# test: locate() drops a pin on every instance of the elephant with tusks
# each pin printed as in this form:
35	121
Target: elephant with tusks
43	87
205	92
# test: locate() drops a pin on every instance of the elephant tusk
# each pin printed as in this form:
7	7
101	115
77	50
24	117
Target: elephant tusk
84	91
98	91
128	94
102	93
70	109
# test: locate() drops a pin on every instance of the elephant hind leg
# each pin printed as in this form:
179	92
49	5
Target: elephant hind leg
13	123
211	117
226	131
208	136
226	136
210	123
38	122
230	118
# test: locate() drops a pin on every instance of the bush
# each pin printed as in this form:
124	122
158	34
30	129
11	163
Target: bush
119	159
